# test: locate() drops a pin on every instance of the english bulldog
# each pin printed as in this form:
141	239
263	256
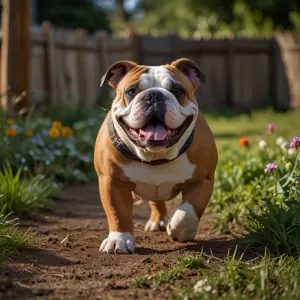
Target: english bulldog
154	144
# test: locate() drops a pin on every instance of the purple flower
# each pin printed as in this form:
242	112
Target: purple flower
270	167
271	127
295	143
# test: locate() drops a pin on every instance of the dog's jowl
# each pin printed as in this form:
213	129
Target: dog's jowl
154	143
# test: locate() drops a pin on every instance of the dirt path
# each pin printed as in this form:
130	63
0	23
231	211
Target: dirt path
66	263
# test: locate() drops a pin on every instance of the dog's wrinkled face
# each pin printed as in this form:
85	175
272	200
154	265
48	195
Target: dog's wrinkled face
155	110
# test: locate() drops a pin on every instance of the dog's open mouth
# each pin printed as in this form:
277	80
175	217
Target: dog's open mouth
155	133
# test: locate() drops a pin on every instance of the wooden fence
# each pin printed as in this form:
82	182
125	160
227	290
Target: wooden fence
244	74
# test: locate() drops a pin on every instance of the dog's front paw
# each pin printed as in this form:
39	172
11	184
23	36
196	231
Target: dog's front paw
118	243
183	225
156	225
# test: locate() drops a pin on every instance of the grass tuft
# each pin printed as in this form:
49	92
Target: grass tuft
276	227
189	261
140	283
22	196
10	238
167	275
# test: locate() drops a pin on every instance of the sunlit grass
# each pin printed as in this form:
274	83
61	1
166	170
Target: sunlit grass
22	196
207	277
229	129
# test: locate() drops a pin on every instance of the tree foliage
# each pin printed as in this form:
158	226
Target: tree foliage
218	17
189	18
85	14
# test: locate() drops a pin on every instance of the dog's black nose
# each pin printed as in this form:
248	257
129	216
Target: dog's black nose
154	97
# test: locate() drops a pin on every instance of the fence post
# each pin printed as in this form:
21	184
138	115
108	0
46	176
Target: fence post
176	45
50	63
15	54
137	41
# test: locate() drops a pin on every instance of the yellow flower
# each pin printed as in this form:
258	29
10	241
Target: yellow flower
56	124
54	132
10	122
10	131
67	132
289	166
28	133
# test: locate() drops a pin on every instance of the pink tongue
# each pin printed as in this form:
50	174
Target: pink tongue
156	132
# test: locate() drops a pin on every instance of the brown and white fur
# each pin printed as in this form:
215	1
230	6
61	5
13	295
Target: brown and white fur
168	93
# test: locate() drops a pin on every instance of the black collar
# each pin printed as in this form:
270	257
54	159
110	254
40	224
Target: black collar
120	146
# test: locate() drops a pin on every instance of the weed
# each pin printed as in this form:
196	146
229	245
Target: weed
189	261
167	275
140	282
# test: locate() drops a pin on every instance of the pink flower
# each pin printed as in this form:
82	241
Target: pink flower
271	128
295	143
270	167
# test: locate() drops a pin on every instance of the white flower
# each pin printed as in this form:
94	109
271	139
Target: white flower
280	140
262	144
207	288
284	146
198	287
291	151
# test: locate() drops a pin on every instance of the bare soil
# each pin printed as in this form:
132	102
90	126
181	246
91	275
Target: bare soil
66	263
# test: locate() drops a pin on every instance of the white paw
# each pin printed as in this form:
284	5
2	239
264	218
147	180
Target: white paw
118	243
184	223
156	225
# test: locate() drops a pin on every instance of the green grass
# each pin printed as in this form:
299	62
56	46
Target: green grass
140	282
191	261
164	276
167	275
10	238
234	278
266	277
229	129
22	196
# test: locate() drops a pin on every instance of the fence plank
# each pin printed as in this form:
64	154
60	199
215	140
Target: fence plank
50	70
82	40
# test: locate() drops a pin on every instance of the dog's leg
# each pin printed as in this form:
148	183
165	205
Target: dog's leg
183	225
117	202
158	218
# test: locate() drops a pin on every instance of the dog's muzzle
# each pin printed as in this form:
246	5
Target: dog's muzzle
155	106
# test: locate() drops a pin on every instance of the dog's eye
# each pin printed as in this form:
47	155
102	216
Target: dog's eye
177	92
132	92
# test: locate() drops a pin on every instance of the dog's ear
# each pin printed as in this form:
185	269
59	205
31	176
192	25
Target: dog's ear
116	72
190	70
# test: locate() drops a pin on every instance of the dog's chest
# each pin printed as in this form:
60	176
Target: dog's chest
157	182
